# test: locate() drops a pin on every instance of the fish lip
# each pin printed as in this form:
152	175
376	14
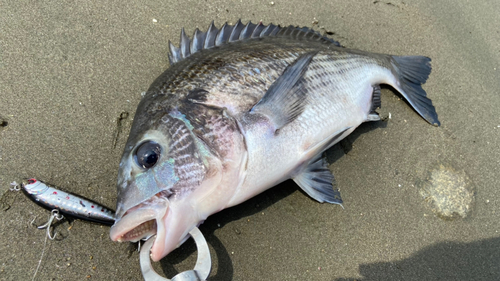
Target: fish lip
156	252
138	215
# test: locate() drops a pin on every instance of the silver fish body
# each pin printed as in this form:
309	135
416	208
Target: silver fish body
240	110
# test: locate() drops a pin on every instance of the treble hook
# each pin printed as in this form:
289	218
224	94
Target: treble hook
54	214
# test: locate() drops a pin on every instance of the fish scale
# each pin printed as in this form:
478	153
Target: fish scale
241	109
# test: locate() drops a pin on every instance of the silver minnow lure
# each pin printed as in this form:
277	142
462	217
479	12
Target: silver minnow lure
67	203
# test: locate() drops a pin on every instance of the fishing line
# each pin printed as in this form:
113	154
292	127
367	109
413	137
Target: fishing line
41	257
54	214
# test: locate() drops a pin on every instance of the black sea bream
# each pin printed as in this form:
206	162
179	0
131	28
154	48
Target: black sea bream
241	109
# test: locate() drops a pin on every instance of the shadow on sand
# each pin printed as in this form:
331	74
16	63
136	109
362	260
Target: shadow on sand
444	261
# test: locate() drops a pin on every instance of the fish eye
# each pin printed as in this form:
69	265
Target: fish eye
147	154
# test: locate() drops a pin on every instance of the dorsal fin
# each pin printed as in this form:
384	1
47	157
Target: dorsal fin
238	32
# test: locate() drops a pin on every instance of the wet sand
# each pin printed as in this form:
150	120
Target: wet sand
68	71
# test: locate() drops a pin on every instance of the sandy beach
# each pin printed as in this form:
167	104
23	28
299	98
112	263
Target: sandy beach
421	202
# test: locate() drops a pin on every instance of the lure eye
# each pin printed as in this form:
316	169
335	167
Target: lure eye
147	154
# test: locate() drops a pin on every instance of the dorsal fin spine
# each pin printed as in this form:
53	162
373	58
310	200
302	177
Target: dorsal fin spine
185	44
210	38
174	55
275	31
257	30
223	34
266	30
247	31
231	33
235	34
198	40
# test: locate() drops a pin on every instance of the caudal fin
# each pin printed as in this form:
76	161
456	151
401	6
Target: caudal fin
413	72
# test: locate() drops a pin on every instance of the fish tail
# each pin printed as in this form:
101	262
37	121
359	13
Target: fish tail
413	72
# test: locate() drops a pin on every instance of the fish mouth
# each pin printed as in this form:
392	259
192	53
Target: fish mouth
144	230
141	221
171	221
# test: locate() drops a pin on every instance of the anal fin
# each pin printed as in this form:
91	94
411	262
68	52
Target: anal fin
317	181
376	100
376	103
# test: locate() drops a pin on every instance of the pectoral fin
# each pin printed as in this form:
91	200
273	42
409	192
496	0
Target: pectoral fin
317	181
285	99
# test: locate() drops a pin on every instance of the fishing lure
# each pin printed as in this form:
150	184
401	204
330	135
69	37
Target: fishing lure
67	203
60	202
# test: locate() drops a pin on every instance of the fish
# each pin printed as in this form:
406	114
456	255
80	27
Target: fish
240	109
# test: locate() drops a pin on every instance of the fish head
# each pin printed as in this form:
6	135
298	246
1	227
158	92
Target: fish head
165	173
